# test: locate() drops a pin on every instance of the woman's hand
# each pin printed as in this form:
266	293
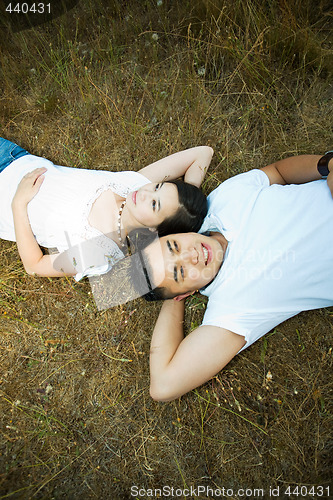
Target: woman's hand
197	171
191	164
29	187
32	257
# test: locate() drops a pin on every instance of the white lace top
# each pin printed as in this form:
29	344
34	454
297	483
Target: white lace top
59	212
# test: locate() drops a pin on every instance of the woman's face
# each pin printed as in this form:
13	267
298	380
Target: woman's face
153	203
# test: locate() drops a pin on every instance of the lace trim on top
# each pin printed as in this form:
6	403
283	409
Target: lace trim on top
112	251
116	188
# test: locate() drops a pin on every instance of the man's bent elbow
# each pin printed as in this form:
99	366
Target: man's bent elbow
161	394
30	271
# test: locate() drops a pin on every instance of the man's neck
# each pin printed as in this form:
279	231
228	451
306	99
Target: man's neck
221	239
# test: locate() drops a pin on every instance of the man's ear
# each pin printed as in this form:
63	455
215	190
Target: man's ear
183	296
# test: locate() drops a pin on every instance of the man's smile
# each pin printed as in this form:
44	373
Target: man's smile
207	253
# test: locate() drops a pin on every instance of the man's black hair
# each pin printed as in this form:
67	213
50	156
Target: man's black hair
141	269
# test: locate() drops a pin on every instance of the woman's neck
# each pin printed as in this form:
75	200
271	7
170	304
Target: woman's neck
105	217
104	214
128	222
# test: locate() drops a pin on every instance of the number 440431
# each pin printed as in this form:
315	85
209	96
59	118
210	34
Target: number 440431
306	491
24	8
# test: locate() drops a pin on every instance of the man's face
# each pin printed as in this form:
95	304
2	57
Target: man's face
184	262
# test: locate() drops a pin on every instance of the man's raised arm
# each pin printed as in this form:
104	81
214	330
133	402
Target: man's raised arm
178	364
298	170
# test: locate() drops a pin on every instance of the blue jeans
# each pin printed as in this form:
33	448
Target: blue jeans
9	151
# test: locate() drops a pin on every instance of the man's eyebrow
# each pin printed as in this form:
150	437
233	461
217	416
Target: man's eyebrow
175	270
175	274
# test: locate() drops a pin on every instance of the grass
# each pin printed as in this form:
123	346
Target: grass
116	85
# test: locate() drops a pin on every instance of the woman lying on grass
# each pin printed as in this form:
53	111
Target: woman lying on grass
43	204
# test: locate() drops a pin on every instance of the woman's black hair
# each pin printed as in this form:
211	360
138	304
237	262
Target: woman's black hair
190	214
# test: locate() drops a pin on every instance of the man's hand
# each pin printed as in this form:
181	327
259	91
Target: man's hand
330	176
330	182
28	187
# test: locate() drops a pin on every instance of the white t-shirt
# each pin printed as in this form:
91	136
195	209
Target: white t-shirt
59	213
279	259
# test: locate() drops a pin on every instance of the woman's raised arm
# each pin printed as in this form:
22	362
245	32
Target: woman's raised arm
191	164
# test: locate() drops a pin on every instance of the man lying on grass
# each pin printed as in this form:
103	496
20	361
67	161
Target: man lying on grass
266	254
